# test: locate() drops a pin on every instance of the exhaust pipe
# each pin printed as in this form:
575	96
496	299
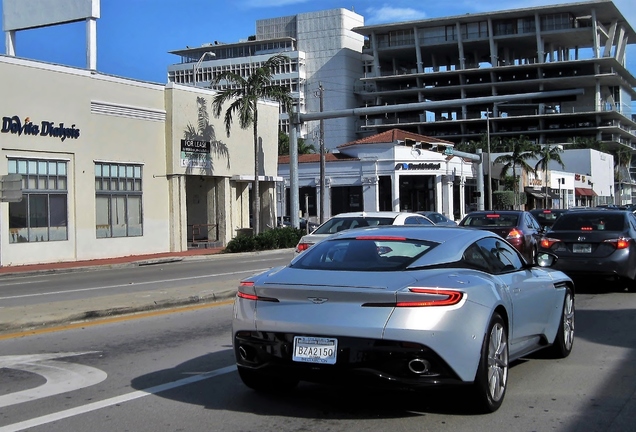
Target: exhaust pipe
247	353
419	366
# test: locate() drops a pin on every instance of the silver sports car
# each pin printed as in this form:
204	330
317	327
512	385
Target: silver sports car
405	306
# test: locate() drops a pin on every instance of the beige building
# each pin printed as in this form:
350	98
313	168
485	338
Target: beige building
113	166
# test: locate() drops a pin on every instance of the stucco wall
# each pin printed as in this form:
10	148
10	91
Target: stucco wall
119	120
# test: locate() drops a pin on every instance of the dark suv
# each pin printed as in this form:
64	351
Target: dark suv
518	227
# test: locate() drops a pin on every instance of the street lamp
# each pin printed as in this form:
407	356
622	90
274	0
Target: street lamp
195	68
489	163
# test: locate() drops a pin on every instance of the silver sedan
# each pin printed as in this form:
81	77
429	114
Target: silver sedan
402	306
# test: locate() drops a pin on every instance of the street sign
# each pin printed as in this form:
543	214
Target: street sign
11	188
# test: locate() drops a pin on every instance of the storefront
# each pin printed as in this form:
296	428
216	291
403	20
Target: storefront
115	167
394	170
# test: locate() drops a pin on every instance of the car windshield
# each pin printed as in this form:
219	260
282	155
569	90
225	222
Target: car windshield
590	222
491	220
337	224
547	216
364	253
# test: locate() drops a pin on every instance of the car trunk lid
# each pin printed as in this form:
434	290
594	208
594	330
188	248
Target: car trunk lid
328	303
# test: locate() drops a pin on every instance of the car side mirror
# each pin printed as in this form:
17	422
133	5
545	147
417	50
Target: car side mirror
545	259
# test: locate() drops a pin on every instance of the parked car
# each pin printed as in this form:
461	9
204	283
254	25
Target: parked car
285	221
595	242
518	227
388	305
345	221
547	217
438	218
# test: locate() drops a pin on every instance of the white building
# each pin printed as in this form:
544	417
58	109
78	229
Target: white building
394	170
114	167
323	54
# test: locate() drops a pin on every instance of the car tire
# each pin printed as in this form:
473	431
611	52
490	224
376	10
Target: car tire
266	383
562	346
491	380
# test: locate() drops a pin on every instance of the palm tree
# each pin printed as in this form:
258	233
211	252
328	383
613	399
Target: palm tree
522	150
546	154
243	95
283	145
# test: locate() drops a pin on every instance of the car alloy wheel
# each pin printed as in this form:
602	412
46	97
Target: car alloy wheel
492	374
562	346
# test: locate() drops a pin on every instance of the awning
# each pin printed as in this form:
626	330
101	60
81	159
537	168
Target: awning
584	192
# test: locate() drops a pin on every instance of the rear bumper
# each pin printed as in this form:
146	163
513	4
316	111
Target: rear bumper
375	362
616	265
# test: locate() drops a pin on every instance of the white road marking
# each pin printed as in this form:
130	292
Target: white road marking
113	401
131	284
61	377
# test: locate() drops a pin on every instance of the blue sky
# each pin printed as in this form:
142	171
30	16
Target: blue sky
134	36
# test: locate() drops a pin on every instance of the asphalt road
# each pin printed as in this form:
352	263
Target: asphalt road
175	372
34	301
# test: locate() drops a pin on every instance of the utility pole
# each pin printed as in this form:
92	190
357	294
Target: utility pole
489	161
323	184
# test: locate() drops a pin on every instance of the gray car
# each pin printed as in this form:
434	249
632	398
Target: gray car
403	306
438	218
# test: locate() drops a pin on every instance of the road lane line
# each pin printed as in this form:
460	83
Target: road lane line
49	418
132	284
61	376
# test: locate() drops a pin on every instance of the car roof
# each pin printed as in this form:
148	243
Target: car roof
373	214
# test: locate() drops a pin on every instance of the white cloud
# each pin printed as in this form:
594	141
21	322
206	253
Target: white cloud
387	14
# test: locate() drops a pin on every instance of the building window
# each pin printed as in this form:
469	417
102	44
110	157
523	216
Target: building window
118	191
42	214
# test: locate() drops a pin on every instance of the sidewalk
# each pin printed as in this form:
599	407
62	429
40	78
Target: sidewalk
26	319
109	262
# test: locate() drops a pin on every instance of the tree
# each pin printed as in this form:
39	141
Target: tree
522	150
243	94
547	153
283	145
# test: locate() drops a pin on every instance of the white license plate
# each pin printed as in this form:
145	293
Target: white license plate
582	248
315	349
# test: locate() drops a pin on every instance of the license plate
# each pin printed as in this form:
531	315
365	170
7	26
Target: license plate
315	349
582	248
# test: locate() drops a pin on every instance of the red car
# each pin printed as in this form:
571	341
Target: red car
518	227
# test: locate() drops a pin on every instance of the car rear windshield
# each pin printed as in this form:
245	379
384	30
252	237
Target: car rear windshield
364	253
492	220
600	221
336	224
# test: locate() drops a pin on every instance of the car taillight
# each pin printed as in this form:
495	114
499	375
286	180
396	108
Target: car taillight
432	297
547	242
620	243
302	247
245	286
515	233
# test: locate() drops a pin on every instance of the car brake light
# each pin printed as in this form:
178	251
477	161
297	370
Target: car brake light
302	247
586	228
515	233
547	242
620	243
436	297
247	296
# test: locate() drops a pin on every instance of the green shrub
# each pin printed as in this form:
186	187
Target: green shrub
277	238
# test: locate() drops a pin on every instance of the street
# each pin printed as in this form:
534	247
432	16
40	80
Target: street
175	372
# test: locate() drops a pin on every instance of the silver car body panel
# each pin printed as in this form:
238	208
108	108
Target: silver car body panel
329	303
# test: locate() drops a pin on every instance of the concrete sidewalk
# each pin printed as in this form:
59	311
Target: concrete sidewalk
25	319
